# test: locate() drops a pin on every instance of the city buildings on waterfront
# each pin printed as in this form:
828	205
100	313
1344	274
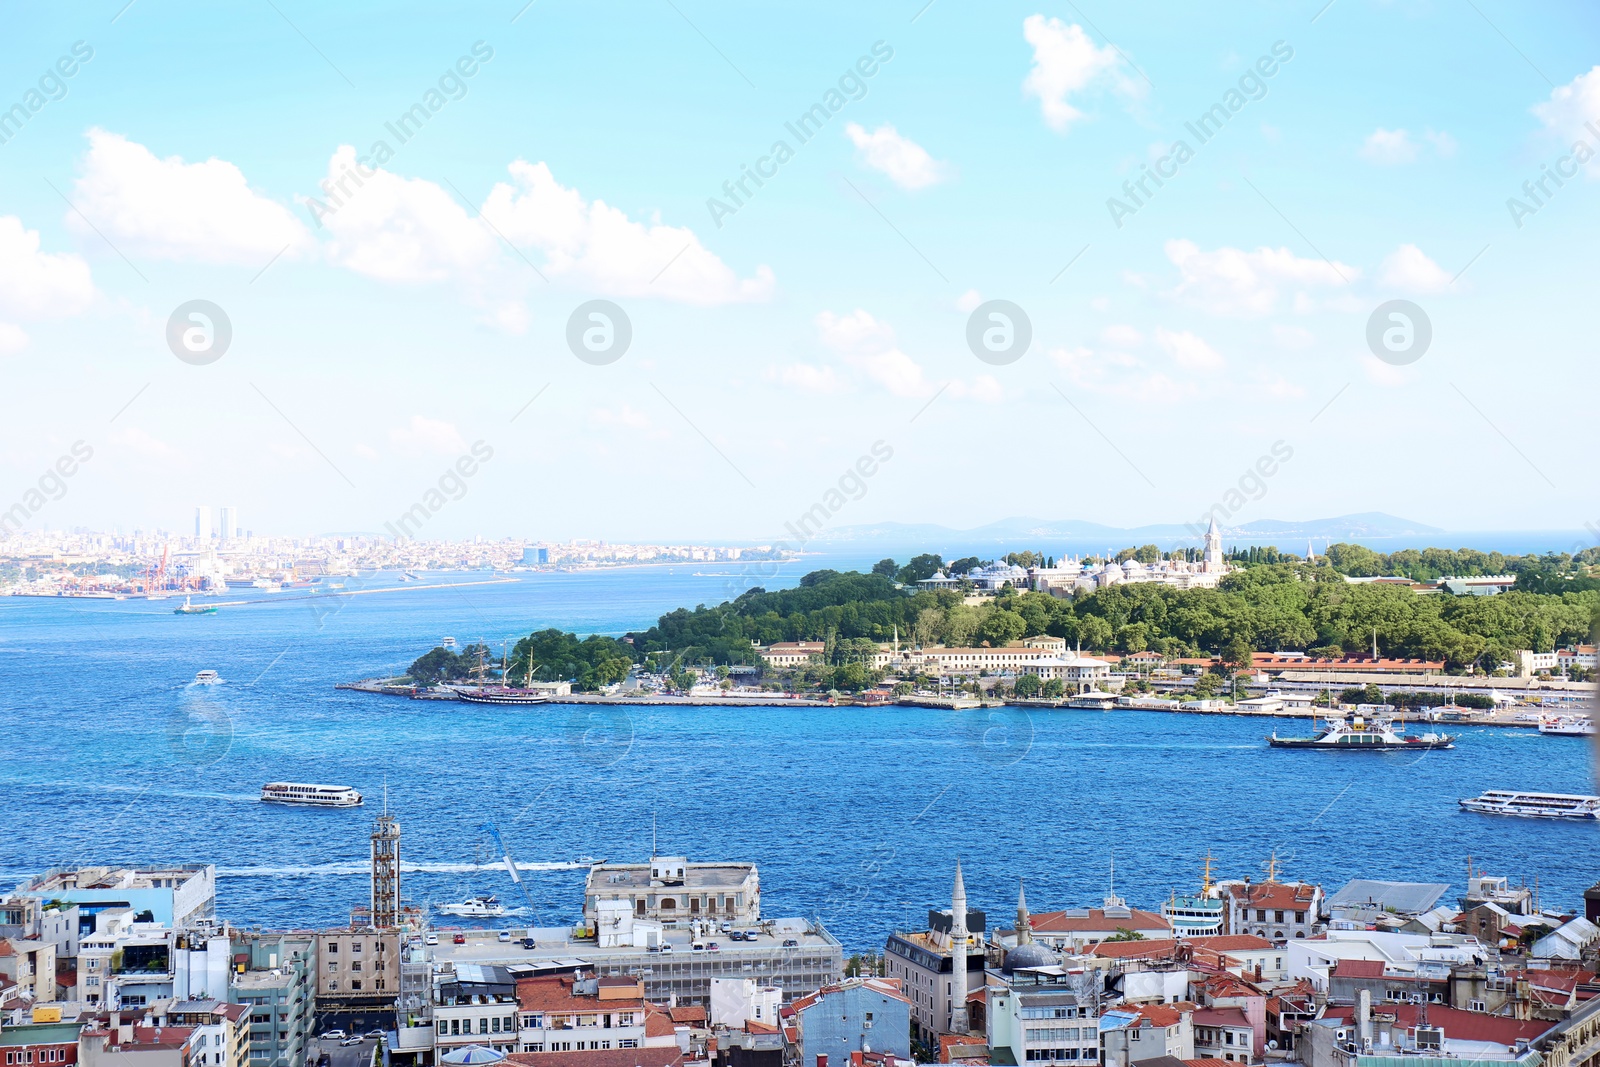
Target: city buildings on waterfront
672	964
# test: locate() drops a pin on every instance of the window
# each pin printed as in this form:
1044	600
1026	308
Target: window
627	1042
455	1027
355	965
333	946
356	986
1261	915
378	984
483	1024
1277	916
495	1027
444	1027
1476	1005
1300	917
355	946
333	965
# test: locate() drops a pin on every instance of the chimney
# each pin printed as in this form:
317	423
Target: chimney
1364	1019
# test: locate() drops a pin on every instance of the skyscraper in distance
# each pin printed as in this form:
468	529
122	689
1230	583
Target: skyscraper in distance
202	523
230	523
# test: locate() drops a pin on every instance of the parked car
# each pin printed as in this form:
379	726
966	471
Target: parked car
505	936
713	947
697	946
528	942
375	1033
790	942
726	926
433	939
334	1035
460	939
665	947
356	1040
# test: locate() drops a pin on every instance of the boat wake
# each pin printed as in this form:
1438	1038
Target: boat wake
412	868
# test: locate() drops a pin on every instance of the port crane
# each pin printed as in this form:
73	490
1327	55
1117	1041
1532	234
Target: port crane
511	869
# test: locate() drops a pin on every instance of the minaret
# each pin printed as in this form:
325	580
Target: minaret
1311	551
1024	927
958	956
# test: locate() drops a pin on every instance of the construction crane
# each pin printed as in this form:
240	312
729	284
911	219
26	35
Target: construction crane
511	869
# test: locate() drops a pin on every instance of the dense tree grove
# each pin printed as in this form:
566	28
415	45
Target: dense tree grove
1268	607
1276	606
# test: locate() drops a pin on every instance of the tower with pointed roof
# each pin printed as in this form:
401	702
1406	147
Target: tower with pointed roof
1213	563
959	1023
1024	926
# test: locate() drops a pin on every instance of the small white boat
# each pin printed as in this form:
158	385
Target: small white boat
207	678
319	796
1534	805
1567	725
480	907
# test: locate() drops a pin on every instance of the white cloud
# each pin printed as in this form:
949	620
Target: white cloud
1389	147
1118	374
1570	107
169	209
12	339
1190	352
404	230
1065	61
806	377
1231	281
1395	147
1408	268
599	247
1122	335
35	284
855	332
984	389
899	158
1442	142
896	372
425	436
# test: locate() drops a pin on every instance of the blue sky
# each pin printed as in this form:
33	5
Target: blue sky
774	345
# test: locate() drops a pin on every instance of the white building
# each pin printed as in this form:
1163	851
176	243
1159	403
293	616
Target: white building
736	1001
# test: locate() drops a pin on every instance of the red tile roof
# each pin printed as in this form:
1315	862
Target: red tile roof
1458	1024
1359	969
688	1013
1287	895
1060	922
554	993
1222	1017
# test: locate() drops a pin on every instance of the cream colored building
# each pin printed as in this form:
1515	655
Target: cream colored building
671	890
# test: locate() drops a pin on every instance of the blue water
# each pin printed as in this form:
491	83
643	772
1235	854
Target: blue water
109	755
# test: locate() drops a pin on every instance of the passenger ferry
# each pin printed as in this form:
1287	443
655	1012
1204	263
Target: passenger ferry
1567	725
321	796
207	678
1359	733
1535	805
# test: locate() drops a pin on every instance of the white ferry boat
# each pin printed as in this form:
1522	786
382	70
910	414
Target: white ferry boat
321	796
1567	725
1358	733
1534	805
481	907
207	678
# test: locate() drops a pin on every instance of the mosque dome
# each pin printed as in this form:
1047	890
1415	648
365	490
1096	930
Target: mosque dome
1029	954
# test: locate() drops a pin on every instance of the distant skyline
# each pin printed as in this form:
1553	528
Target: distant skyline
404	218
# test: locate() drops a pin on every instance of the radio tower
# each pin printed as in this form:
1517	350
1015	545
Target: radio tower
385	869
